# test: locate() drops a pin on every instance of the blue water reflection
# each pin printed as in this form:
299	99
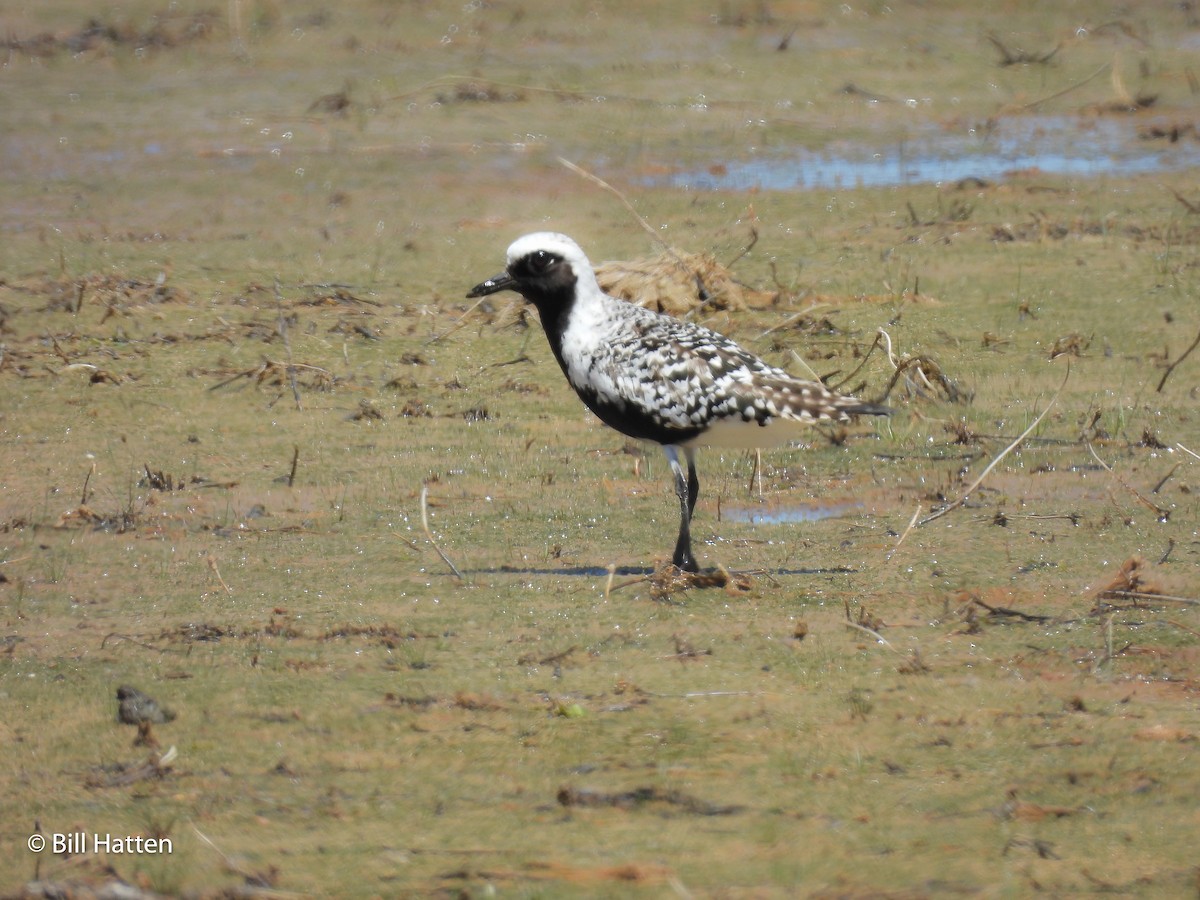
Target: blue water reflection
1060	145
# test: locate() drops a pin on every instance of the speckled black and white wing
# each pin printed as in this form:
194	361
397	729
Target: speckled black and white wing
663	379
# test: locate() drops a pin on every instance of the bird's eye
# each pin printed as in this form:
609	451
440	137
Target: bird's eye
541	260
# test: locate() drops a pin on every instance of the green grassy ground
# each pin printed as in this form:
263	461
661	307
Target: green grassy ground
202	208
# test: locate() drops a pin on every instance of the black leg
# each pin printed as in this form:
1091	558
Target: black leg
686	489
693	484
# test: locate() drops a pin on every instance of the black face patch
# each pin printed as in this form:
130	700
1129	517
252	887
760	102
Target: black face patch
536	266
541	261
544	278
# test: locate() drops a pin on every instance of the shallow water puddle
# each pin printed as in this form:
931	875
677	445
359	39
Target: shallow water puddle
788	513
1061	145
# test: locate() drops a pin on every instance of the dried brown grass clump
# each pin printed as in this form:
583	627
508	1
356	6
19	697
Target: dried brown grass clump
98	36
1133	581
676	282
116	293
642	797
667	580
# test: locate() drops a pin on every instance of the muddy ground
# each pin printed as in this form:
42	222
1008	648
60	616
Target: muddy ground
389	610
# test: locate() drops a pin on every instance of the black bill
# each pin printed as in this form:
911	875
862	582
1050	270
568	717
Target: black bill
501	282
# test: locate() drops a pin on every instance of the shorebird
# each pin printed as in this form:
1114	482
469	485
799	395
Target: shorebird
657	378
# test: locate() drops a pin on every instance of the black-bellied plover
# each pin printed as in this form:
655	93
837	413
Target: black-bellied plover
657	378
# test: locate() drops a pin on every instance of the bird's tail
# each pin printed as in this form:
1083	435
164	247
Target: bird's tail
855	407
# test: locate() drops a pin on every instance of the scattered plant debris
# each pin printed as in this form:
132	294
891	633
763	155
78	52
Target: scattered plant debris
279	374
366	412
1020	57
667	580
1073	344
156	767
638	798
97	36
1132	585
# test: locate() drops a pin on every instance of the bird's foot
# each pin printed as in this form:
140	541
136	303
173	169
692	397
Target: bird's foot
686	564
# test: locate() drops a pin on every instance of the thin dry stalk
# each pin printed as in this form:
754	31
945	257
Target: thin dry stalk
1181	627
1142	595
1187	204
212	564
600	182
803	363
756	475
1171	367
629	582
1034	104
291	479
924	367
1020	57
462	320
287	345
749	246
1108	643
912	523
1162	514
646	226
874	344
872	632
429	533
87	479
1158	487
792	319
995	462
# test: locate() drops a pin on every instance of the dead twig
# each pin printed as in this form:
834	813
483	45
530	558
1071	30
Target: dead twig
1191	207
747	248
872	632
263	882
1191	631
291	479
1162	514
287	346
1171	367
646	226
212	564
429	533
1033	104
142	644
639	797
1010	613
1142	595
462	320
157	765
558	657
793	319
608	584
1034	424
270	367
874	344
925	369
600	182
912	665
1020	57
83	499
912	523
